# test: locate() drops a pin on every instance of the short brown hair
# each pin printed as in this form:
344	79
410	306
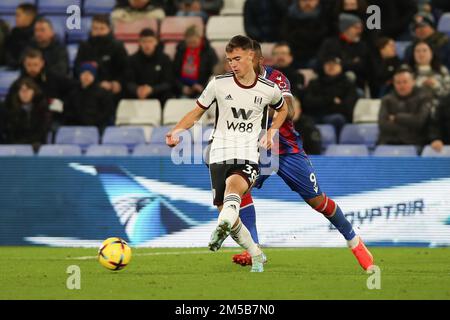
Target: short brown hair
33	53
28	8
239	42
102	18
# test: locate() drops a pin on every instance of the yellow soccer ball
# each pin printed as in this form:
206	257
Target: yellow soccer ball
114	254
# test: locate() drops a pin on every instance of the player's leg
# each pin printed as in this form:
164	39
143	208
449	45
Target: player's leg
248	217
297	171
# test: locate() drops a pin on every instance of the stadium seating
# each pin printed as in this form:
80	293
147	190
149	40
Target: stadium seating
366	111
129	31
72	50
59	26
328	134
444	23
129	136
152	150
56	6
360	134
9	19
395	151
173	28
139	112
102	150
232	7
92	7
6	79
224	28
219	47
79	35
401	47
159	135
266	48
9	6
347	150
59	150
175	109
78	135
170	48
430	152
18	150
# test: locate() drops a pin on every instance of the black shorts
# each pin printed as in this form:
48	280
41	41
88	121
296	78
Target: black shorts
219	173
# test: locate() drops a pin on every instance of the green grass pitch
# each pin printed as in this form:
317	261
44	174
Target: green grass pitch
319	273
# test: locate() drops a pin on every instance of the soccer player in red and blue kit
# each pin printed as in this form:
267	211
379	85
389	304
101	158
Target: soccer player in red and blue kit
297	172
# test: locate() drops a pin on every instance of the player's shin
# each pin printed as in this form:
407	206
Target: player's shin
248	216
230	209
242	236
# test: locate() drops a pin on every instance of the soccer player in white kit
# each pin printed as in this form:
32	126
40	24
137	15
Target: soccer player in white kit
240	98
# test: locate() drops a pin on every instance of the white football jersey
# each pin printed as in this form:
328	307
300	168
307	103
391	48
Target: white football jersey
239	114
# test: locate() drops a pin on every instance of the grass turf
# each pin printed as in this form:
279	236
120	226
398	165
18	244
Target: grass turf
319	273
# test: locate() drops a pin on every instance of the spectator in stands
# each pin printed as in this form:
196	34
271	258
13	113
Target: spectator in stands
21	35
212	7
332	96
355	54
130	10
355	7
283	59
386	62
110	55
311	137
305	27
262	19
194	63
55	53
150	74
405	112
52	85
439	127
88	104
424	29
430	73
4	31
395	17
191	8
27	117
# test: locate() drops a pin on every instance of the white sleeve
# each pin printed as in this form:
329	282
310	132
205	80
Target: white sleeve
277	100
208	95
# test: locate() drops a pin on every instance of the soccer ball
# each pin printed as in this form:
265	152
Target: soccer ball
114	254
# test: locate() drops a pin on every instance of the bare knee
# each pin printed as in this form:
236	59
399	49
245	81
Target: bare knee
236	184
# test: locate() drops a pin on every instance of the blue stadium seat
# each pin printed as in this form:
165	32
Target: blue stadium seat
93	7
9	6
6	79
366	133
130	136
395	151
155	150
102	150
21	150
56	6
328	134
347	150
81	136
444	23
59	26
9	19
79	35
72	50
59	150
430	152
401	47
159	134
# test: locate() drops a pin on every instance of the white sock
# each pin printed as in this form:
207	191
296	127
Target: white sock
242	236
353	243
230	209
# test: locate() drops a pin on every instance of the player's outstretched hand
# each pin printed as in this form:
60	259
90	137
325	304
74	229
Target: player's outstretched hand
172	139
266	141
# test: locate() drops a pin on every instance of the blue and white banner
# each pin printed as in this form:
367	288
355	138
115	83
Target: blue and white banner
152	202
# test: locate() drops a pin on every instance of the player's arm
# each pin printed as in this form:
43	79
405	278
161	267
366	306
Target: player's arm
290	107
172	138
278	120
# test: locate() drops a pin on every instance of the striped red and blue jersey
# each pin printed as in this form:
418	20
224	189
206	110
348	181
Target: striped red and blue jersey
290	140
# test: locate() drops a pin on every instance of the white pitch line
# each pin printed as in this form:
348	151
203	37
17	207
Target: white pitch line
159	254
